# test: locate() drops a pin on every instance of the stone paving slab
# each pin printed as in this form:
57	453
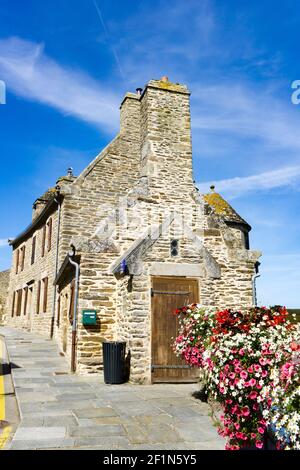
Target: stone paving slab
65	411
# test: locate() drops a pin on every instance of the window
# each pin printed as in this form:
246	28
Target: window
45	293
38	297
43	240
17	260
174	248
49	236
13	304
23	249
25	300
33	250
19	302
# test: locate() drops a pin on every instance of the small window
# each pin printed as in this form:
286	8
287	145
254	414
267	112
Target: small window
38	297
17	260
33	250
49	236
23	250
19	302
45	294
25	300
174	247
43	240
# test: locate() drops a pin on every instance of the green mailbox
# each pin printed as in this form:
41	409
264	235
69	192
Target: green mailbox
89	317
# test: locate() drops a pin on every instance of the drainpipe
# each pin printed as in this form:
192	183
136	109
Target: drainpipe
254	277
58	202
74	324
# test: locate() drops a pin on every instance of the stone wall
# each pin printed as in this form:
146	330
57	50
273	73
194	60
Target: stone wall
43	267
135	197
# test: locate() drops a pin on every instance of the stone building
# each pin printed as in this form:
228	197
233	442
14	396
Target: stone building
4	280
144	240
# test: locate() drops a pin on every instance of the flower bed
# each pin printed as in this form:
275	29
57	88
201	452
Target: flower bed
245	359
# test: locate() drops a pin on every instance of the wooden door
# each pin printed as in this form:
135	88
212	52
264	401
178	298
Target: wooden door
168	294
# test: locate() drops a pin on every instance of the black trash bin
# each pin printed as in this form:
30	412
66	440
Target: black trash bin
114	362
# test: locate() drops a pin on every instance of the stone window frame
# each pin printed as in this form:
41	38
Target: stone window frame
33	248
25	300
17	260
38	297
43	241
49	226
23	253
19	302
45	294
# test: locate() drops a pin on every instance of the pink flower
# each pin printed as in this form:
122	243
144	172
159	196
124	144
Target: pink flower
253	435
243	374
252	382
231	375
261	430
262	361
259	444
264	373
241	352
252	395
257	368
245	411
250	370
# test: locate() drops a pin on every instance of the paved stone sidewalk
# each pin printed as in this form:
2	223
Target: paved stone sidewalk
60	410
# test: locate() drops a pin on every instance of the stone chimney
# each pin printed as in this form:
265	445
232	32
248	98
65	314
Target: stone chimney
166	150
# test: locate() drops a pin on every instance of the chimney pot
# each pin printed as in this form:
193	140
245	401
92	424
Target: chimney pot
164	79
139	91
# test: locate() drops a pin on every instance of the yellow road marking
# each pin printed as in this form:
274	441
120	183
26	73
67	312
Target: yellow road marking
4	436
6	431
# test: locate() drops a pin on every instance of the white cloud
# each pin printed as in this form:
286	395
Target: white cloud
234	187
31	74
242	110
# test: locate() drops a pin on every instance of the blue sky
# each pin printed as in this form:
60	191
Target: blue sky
67	65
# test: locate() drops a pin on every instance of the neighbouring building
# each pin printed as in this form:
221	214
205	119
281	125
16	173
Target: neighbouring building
4	281
144	239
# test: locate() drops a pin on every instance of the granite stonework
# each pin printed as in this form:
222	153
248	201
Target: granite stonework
121	214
